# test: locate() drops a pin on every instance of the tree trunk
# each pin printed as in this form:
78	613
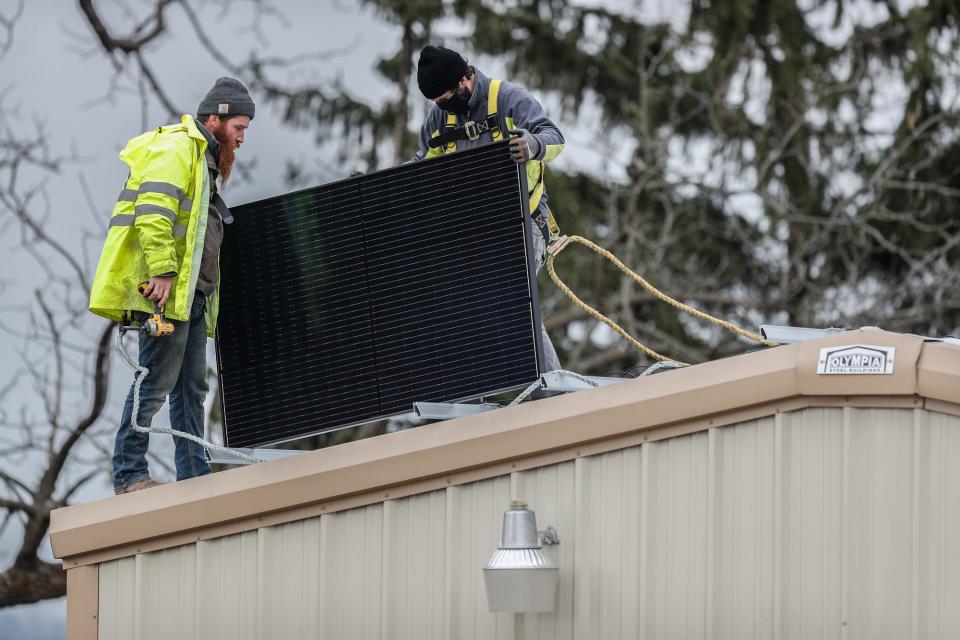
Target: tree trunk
32	581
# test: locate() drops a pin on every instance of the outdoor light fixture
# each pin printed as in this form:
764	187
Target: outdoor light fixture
519	578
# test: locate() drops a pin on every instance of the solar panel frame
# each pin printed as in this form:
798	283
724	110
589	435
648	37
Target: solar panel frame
440	168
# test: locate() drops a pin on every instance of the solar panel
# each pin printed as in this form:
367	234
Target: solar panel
348	302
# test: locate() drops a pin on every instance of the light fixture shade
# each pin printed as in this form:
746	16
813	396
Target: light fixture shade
521	590
519	577
519	528
519	559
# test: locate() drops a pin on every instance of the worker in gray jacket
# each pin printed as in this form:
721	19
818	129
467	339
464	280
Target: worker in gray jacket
470	110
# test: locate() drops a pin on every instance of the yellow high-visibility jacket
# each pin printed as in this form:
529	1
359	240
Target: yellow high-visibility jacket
158	225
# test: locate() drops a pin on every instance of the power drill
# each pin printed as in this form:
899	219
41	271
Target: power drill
156	325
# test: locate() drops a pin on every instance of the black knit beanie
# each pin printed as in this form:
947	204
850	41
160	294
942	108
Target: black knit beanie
228	97
439	70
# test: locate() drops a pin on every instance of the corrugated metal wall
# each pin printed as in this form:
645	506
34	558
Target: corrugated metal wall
821	523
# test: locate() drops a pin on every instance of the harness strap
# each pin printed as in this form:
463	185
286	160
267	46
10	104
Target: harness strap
450	125
536	191
469	131
543	223
492	93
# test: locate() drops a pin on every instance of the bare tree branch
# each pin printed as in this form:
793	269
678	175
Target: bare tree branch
76	485
205	40
7	25
16	505
147	31
15	153
148	74
100	382
20	489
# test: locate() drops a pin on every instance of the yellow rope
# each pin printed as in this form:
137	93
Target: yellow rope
562	243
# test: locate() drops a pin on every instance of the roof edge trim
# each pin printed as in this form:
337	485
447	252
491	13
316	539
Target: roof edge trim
696	397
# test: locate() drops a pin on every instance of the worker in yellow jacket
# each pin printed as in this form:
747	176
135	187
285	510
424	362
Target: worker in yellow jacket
166	230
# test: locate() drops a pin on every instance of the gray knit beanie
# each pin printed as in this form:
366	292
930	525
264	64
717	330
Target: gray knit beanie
228	97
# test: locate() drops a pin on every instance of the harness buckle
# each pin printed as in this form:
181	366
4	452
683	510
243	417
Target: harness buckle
472	130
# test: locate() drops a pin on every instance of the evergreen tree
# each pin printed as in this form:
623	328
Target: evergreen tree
767	181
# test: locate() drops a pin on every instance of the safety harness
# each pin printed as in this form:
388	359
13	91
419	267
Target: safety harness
469	131
446	141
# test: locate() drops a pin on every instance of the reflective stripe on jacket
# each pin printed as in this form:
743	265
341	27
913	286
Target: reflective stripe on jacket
515	107
158	225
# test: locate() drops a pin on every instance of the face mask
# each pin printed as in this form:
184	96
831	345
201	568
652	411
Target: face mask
456	103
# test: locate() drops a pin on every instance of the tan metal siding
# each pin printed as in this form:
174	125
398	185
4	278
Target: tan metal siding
227	584
880	518
166	581
819	523
938	559
289	589
117	597
413	566
351	557
82	605
476	511
811	448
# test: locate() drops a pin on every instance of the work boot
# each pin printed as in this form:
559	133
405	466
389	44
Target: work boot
146	483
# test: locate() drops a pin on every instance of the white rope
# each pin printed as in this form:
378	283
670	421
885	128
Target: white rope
144	371
583	379
526	392
663	364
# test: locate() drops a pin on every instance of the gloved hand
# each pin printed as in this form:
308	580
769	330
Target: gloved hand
524	146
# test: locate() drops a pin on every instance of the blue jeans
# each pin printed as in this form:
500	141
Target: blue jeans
178	368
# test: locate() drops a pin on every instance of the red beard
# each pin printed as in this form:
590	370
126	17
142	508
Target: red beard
228	152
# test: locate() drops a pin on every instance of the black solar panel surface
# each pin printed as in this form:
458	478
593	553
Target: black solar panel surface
350	301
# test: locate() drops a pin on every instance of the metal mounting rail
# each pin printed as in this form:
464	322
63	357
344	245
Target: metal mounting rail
790	335
564	381
555	381
450	410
